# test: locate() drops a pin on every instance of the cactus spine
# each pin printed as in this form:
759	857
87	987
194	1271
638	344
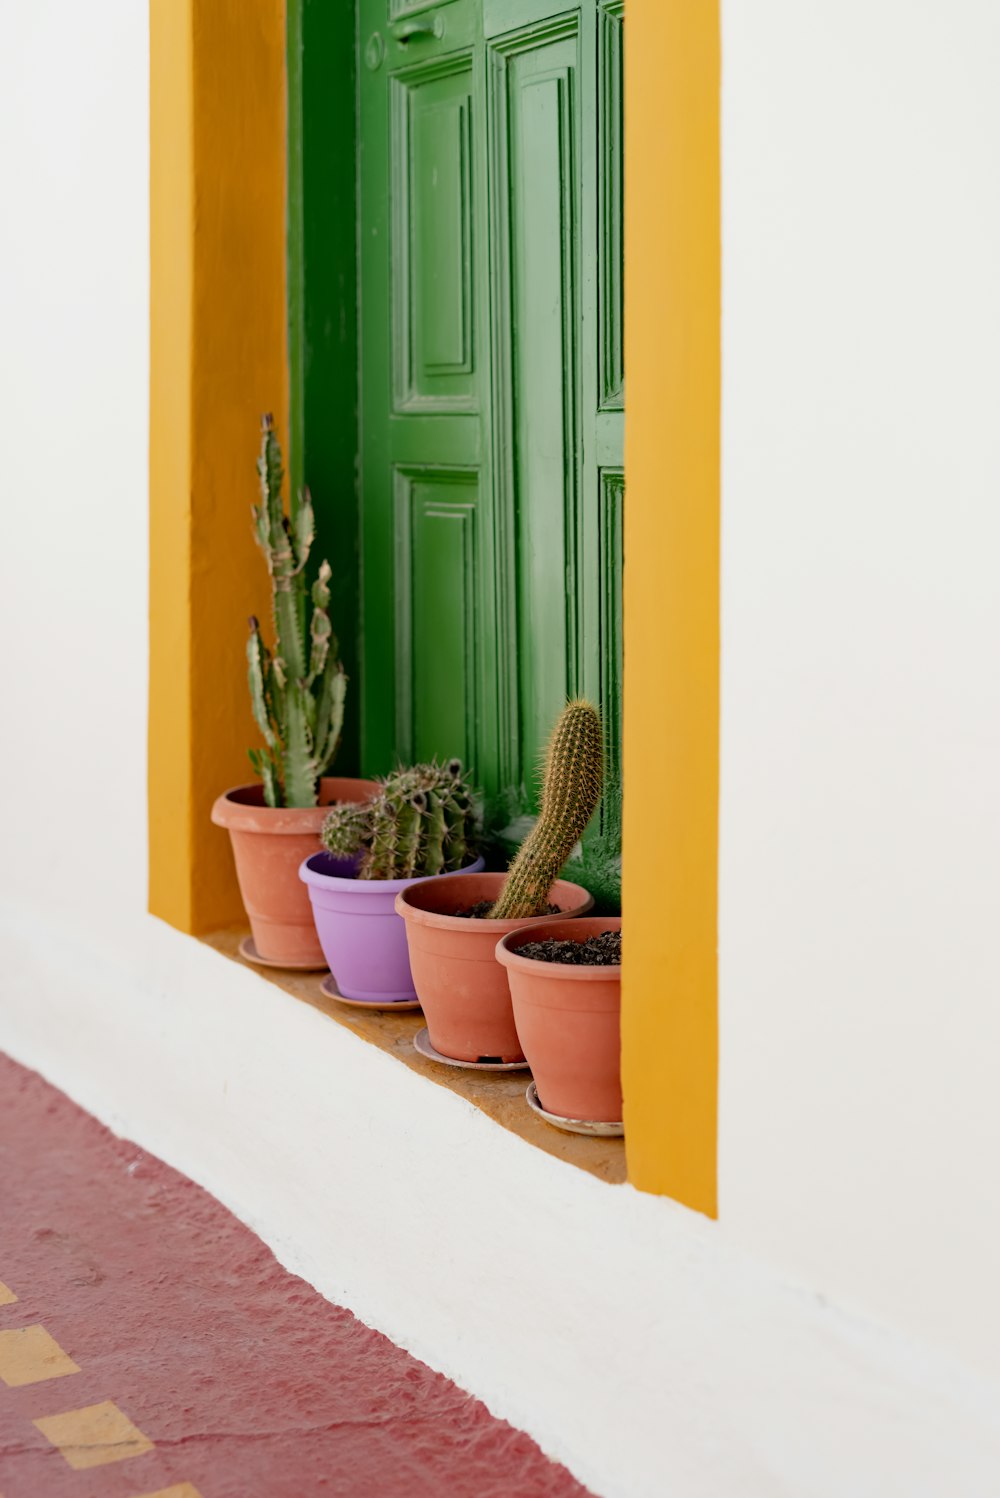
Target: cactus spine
422	822
297	693
571	788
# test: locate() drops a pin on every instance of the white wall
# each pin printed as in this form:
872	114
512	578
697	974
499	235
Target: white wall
74	344
647	1348
859	887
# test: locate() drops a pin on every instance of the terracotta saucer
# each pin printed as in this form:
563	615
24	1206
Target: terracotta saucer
572	1125
394	1006
422	1043
249	953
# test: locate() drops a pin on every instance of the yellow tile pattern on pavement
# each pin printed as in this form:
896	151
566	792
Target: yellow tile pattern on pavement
7	1298
97	1434
28	1355
179	1490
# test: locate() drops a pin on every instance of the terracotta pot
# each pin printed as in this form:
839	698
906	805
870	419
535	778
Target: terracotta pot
269	844
568	1021
461	987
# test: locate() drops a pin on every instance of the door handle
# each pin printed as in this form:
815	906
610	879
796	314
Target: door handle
415	29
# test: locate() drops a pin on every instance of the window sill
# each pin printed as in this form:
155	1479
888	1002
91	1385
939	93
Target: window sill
499	1095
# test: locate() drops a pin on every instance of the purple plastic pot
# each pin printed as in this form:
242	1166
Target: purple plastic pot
363	939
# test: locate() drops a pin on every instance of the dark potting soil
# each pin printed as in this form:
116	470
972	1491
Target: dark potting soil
482	908
597	951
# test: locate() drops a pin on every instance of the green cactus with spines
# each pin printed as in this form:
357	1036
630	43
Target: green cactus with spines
571	789
345	832
423	821
297	693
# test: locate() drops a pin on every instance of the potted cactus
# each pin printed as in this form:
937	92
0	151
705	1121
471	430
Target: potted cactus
422	823
565	987
297	693
453	924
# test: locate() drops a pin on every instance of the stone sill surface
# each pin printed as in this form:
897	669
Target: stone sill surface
500	1095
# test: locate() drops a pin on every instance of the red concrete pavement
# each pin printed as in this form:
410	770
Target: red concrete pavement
151	1302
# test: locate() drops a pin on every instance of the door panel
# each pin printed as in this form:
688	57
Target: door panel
432	240
492	380
610	643
536	107
610	247
426	513
436	613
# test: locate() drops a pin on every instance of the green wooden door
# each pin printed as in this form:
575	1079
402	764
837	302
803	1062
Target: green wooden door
491	390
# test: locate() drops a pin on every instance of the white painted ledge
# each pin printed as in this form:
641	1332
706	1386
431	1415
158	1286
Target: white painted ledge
627	1335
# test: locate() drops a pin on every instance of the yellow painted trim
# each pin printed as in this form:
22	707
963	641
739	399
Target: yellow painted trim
671	597
94	1436
218	357
31	1355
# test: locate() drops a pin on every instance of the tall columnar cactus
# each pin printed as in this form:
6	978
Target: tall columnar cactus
571	788
297	693
422	822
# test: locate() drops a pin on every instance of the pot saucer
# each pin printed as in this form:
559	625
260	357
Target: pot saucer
422	1043
572	1125
388	1006
249	953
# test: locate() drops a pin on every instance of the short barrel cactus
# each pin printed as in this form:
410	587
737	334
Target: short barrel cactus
297	695
423	821
571	789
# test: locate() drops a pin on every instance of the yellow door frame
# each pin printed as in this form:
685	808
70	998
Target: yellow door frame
671	597
219	357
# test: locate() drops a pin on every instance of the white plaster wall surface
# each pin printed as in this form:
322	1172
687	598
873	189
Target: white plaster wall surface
859	886
74	99
647	1351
